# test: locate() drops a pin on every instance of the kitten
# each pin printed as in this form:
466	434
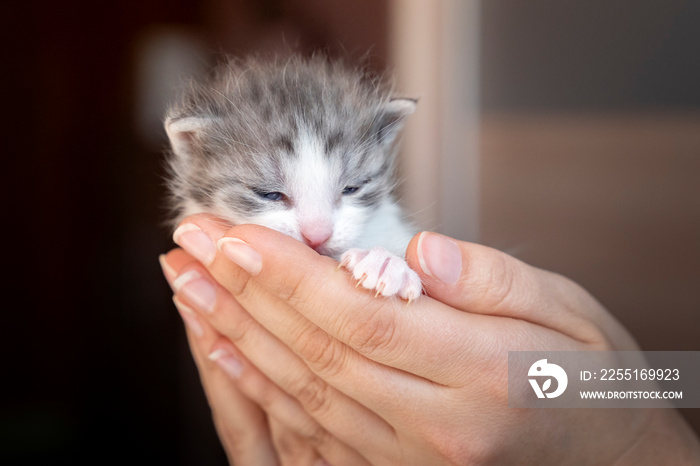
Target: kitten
303	146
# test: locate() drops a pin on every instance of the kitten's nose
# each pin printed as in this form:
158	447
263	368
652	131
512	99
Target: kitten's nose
316	234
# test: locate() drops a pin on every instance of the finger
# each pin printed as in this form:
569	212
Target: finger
290	446
360	426
240	423
294	439
297	436
482	280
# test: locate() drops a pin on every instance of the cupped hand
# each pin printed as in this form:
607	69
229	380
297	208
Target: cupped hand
249	435
371	380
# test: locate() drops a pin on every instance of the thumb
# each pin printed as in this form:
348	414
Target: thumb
482	280
468	276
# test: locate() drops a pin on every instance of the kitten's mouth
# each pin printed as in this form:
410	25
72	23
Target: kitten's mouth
324	250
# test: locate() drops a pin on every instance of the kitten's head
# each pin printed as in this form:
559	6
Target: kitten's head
305	147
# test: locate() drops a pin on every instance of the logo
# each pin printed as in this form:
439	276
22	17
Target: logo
544	369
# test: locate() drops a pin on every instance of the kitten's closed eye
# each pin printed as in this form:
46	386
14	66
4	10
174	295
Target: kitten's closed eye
279	196
272	195
353	189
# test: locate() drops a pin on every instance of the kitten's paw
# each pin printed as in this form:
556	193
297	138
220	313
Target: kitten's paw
380	270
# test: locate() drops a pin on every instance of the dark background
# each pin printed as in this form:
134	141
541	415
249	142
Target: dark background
97	368
96	365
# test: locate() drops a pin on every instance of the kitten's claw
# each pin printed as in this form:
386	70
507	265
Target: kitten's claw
380	288
378	269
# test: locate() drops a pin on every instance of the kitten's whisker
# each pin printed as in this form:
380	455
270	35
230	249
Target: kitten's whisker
419	211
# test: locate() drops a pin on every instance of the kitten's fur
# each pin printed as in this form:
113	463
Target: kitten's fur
303	146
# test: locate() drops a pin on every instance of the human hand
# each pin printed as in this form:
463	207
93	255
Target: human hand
424	383
241	424
247	433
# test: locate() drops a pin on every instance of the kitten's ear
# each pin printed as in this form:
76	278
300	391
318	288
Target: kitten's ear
392	118
183	132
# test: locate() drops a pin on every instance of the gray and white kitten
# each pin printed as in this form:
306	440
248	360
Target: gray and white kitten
303	146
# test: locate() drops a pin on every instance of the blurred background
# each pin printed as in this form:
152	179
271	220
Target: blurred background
566	133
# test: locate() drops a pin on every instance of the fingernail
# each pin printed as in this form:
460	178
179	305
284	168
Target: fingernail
439	257
241	253
168	271
198	290
193	240
227	362
189	317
